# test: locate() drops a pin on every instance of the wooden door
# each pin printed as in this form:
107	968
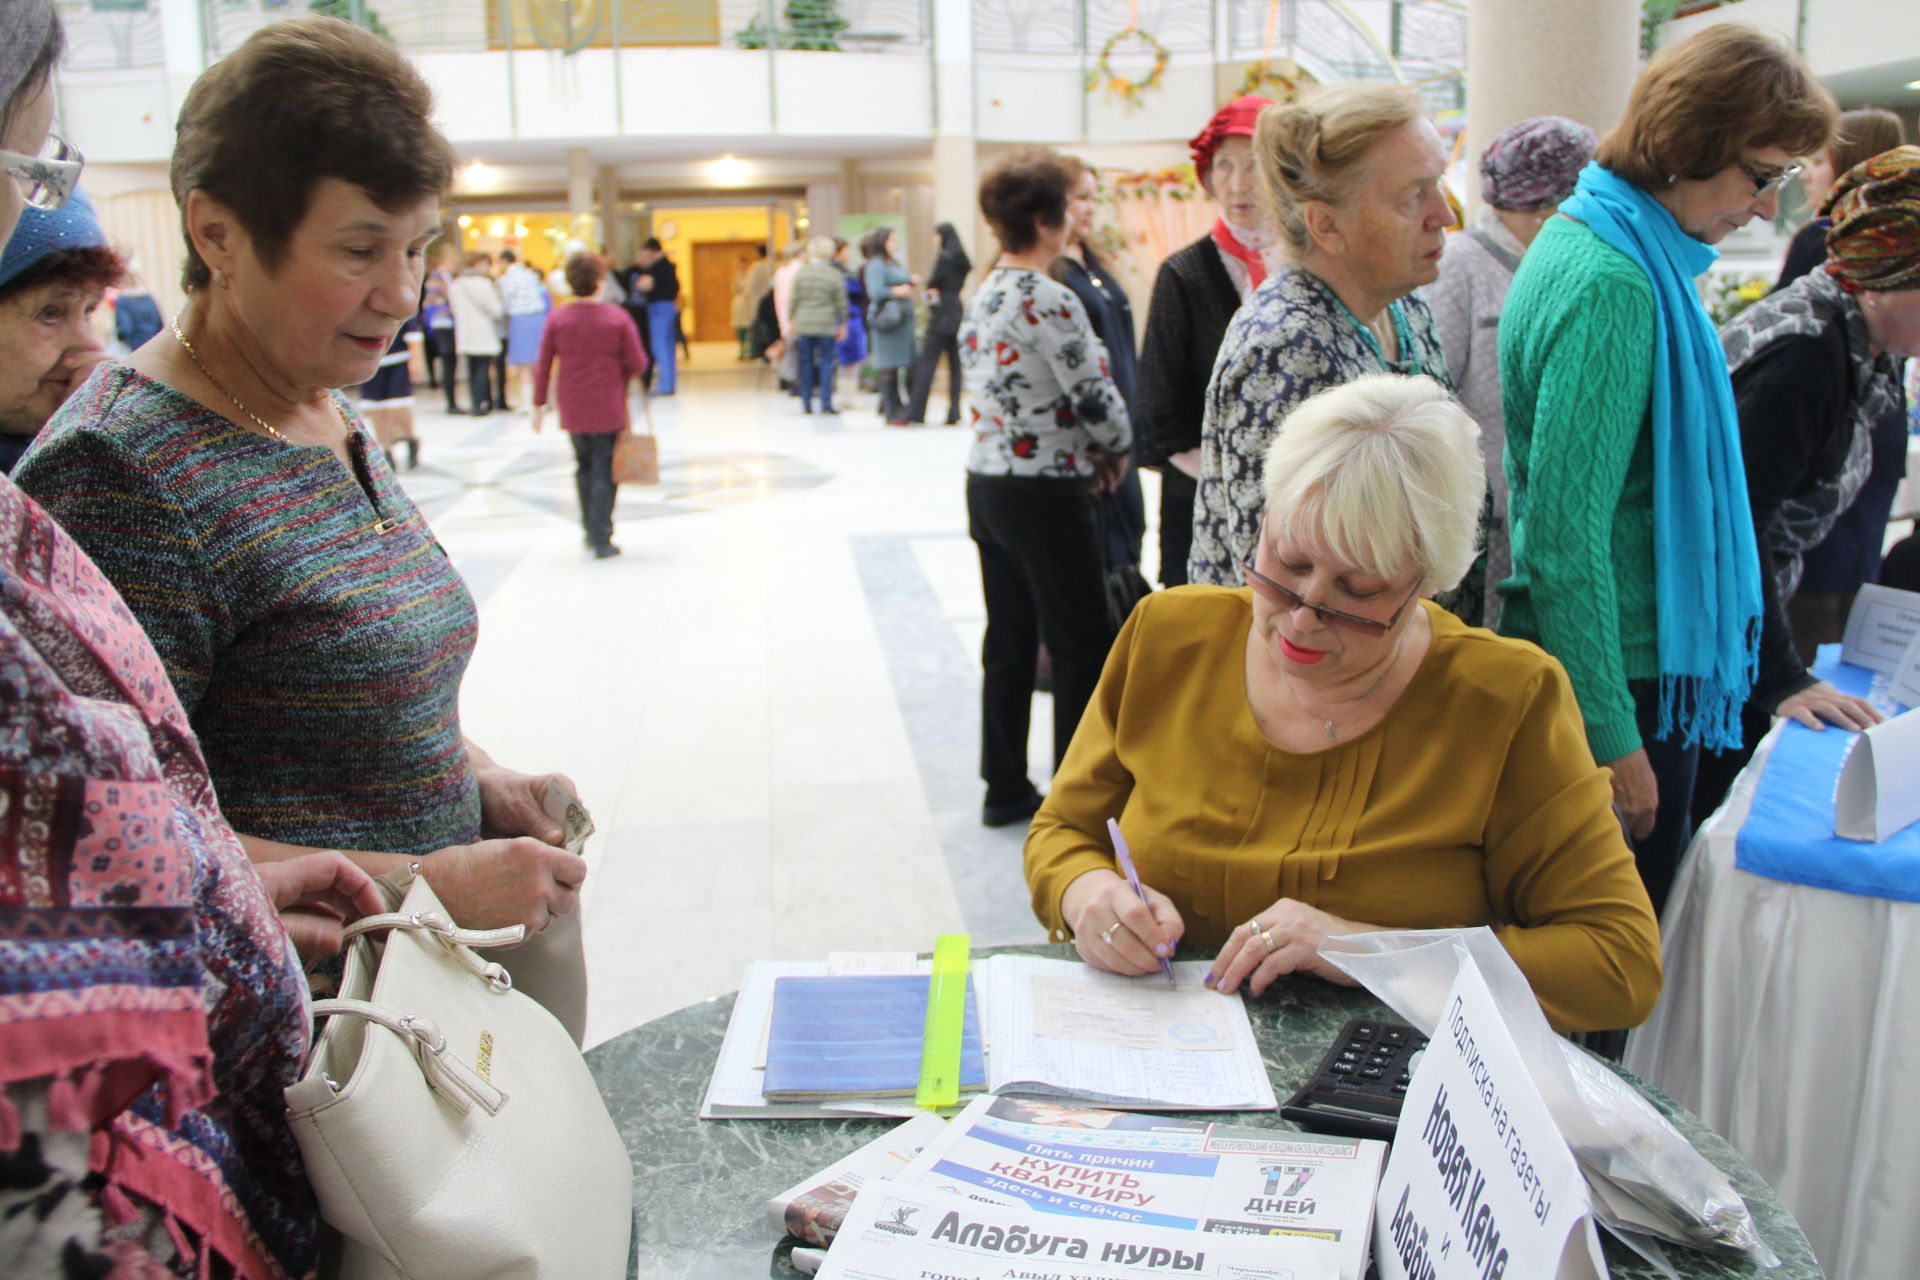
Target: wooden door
716	263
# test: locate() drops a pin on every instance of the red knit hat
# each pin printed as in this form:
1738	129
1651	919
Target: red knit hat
1235	120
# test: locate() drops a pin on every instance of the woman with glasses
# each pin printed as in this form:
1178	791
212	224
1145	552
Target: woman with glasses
1816	370
1328	751
1634	562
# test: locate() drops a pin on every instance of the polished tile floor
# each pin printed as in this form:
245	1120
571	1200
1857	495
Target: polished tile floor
770	702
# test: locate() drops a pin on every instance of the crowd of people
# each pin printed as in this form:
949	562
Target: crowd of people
1389	694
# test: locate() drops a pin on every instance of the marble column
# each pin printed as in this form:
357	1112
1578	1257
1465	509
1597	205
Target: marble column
956	168
580	191
1573	58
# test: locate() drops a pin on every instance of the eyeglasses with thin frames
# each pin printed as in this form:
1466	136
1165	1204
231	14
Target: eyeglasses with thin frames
1765	184
48	179
1291	599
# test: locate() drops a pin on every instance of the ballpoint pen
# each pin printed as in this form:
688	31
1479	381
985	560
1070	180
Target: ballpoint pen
1125	859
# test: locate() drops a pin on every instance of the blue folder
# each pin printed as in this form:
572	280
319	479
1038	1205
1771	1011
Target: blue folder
1788	835
857	1036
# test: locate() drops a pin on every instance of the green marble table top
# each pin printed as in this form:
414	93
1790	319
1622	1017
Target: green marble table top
700	1187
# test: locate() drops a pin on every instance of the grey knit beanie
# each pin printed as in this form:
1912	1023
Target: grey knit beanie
24	25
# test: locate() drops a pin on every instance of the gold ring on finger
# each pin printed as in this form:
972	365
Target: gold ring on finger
1266	936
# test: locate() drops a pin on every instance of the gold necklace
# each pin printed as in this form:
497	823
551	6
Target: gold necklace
238	403
1371	690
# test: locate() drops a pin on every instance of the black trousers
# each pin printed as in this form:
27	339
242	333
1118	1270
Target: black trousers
500	376
891	406
593	477
441	361
1042	574
480	383
943	339
1674	769
1177	493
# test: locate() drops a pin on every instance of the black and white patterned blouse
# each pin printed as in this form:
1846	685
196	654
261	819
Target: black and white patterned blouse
1294	338
1041	393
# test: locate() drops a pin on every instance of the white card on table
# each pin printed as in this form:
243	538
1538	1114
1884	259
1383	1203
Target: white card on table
1881	625
1878	795
1906	677
1480	1182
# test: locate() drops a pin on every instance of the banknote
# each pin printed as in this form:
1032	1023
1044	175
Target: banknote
576	824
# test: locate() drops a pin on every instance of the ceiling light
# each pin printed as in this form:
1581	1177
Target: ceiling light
480	176
466	220
728	171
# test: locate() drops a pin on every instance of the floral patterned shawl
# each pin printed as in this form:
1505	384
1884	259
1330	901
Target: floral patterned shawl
148	994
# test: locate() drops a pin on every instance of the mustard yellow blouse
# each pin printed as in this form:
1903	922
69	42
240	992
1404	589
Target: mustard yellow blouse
1475	801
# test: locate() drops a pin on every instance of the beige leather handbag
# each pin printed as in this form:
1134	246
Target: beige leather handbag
449	1125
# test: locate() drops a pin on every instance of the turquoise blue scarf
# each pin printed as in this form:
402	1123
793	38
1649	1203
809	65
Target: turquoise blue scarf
1706	565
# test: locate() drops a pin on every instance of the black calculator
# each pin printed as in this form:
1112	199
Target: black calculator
1358	1088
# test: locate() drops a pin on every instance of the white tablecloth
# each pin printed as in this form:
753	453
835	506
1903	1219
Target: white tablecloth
1790	1023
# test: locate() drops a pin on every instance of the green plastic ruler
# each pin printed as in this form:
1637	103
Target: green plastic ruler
946	1023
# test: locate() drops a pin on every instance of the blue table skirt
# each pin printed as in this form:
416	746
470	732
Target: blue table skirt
1788	834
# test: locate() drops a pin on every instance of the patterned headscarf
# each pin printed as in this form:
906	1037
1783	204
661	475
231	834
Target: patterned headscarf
1235	120
1875	210
1533	165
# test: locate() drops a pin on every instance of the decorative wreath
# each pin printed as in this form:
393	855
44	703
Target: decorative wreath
1127	90
1281	79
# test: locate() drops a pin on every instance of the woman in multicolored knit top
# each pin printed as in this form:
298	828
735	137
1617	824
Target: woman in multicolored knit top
1634	560
314	629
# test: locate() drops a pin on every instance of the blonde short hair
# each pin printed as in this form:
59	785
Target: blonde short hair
1312	149
1385	472
820	247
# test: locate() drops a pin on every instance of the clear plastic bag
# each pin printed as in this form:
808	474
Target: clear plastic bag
1647	1179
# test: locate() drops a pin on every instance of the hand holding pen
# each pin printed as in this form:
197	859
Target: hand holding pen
1121	926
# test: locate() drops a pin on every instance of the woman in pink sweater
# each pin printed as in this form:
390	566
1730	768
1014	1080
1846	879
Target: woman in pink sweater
599	351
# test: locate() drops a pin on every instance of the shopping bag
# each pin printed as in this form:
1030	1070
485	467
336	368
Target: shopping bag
636	459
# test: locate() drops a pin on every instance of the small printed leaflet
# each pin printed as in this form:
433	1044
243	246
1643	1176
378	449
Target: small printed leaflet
895	1230
1480	1185
814	1210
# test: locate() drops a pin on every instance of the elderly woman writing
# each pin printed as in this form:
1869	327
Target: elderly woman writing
1354	177
1634	561
1330	752
314	629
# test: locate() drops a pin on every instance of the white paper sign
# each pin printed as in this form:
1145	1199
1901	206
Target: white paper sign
1906	676
1480	1184
1879	792
1881	625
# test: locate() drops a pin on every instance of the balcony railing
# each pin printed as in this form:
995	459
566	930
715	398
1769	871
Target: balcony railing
104	35
571	26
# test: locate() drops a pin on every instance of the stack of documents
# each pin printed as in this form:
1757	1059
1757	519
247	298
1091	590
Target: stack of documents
1051	1028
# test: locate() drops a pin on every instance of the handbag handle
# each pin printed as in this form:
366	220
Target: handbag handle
447	1076
450	935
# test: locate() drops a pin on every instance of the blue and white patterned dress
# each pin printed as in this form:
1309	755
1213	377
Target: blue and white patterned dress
1293	338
